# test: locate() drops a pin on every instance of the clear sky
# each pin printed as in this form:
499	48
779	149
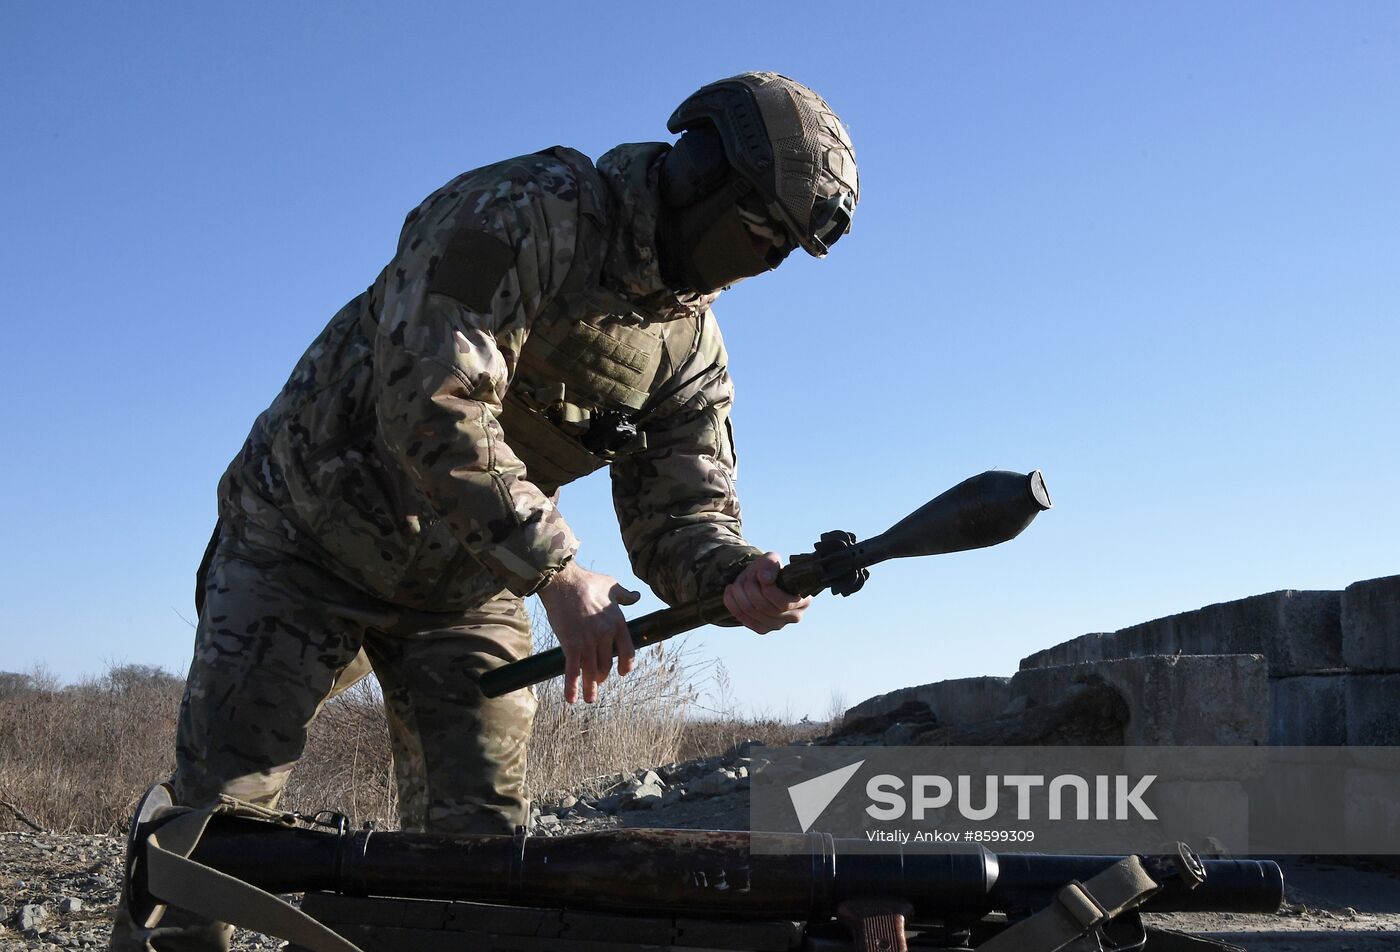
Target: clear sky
1152	249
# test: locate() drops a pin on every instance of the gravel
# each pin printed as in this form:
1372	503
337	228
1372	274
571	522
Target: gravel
57	891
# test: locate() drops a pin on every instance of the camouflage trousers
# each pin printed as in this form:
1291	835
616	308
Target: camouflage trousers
278	637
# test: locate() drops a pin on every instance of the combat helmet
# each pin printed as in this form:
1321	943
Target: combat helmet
759	152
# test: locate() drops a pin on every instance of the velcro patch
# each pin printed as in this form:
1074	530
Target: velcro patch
471	269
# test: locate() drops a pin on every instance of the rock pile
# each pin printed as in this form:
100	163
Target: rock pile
624	797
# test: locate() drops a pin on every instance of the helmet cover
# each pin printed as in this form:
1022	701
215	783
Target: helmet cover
785	141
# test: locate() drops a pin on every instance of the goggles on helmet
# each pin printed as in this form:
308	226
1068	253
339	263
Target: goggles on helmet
831	218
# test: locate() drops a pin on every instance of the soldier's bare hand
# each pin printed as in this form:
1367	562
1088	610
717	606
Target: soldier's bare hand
584	609
755	599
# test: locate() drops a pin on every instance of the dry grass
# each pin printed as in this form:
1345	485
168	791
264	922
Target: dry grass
720	725
75	758
638	721
346	766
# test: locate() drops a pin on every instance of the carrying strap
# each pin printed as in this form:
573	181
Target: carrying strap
174	878
1078	908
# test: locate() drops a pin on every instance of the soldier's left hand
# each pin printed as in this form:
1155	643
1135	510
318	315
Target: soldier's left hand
755	599
584	611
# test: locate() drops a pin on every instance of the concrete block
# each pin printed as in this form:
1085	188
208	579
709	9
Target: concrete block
968	700
1195	811
955	701
1296	803
1202	811
1220	700
1372	813
1371	625
881	704
1088	647
1310	710
1298	632
1373	710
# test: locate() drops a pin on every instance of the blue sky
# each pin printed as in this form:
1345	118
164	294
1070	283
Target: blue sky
1151	249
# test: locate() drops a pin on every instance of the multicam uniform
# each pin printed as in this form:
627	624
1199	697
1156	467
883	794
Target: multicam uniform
395	498
394	501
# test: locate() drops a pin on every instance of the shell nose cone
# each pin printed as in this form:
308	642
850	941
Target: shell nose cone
1039	493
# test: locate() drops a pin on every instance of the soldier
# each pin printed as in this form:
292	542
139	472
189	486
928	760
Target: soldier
543	317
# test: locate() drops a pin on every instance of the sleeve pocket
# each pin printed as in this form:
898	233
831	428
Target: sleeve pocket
471	269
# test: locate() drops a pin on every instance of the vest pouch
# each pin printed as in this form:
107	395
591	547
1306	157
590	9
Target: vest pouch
552	457
607	362
604	363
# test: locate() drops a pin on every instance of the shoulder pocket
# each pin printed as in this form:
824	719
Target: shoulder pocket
471	269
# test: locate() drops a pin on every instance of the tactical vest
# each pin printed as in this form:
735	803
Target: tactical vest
588	368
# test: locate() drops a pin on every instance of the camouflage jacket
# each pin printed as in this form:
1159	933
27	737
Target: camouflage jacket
410	452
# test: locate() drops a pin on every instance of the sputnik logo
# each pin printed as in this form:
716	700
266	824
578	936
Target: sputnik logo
811	797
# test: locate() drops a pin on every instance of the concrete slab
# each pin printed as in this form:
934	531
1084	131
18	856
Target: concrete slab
1289	795
1373	807
1088	647
1371	625
1219	806
955	701
1310	710
1373	709
1300	632
1205	700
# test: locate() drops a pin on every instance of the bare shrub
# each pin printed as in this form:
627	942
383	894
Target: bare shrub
75	759
13	684
715	728
636	722
836	708
347	766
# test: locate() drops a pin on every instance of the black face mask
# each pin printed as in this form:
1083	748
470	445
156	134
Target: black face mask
703	243
708	244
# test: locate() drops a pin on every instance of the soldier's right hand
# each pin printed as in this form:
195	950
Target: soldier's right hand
584	609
